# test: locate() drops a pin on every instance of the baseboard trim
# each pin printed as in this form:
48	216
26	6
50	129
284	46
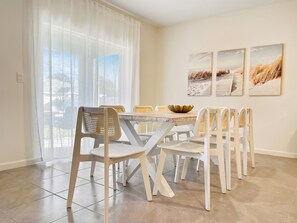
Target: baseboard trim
20	163
275	153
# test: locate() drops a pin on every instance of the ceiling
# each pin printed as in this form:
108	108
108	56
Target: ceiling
168	12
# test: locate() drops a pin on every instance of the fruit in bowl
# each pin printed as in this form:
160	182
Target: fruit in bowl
180	108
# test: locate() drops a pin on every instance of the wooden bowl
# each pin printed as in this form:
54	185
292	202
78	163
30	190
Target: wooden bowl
180	108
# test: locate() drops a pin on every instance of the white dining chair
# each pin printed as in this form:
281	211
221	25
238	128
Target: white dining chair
195	150
102	124
123	139
179	158
247	137
219	141
117	108
241	136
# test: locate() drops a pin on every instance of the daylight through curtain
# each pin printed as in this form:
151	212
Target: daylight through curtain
82	53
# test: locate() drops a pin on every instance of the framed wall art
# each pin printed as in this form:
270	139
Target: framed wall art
266	70
200	74
230	71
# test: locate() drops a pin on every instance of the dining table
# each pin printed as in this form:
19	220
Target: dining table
167	121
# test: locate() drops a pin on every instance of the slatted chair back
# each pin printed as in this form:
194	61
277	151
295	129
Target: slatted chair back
212	116
202	124
143	108
162	108
144	127
98	123
118	108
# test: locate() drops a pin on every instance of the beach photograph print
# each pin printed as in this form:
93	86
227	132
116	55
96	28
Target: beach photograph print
266	70
230	71
200	74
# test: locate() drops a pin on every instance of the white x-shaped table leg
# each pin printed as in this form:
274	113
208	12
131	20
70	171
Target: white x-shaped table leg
133	137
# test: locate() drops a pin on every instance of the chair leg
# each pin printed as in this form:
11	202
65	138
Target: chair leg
177	169
124	174
174	159
238	158
159	172
207	183
145	176
244	156
156	161
228	166
251	138
197	167
114	176
106	191
251	145
185	168
73	176
93	165
222	170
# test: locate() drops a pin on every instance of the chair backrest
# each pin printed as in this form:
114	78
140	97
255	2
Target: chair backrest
218	121
249	113
144	127
118	108
143	108
242	117
162	108
98	123
222	115
202	124
212	116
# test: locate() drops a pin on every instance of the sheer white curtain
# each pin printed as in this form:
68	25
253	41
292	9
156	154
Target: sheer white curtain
80	53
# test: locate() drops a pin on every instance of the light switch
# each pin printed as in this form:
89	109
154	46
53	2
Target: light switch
20	77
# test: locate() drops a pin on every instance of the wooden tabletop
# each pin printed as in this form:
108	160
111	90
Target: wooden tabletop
189	117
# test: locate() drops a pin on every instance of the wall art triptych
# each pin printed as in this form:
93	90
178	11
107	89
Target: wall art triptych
265	73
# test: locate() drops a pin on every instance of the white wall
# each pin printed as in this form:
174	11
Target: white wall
12	128
275	118
148	49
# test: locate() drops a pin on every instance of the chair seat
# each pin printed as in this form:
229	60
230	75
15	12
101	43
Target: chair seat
181	129
118	150
125	140
212	139
187	147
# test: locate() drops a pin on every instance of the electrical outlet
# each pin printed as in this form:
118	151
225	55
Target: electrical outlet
19	77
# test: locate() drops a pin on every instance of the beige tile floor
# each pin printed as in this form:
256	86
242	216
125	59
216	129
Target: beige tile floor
38	194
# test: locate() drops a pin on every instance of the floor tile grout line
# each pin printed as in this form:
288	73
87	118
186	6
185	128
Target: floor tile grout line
5	214
76	212
90	204
34	200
